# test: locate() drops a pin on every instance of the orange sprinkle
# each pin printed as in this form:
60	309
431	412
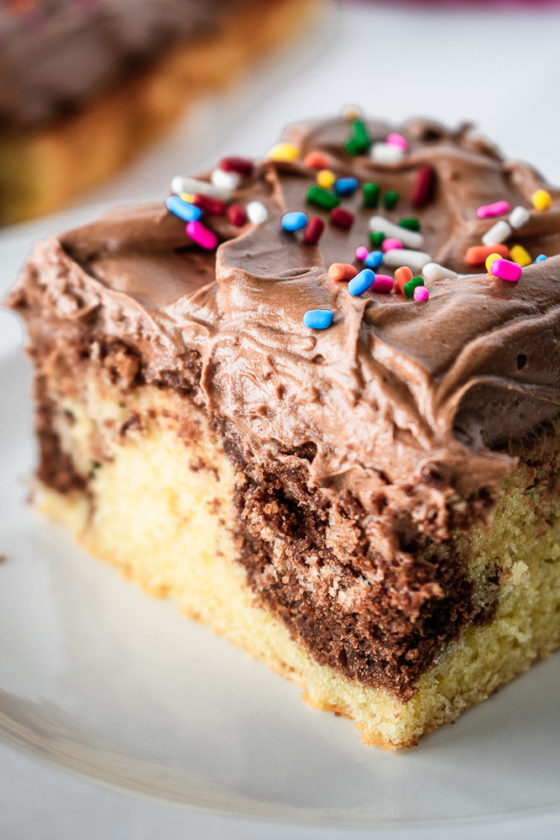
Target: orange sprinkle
342	271
478	254
402	276
315	160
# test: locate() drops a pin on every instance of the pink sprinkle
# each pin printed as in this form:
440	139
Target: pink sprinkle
506	270
421	293
202	235
382	283
486	211
390	244
361	252
396	139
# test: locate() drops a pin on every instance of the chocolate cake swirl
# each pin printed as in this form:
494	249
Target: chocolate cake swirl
377	438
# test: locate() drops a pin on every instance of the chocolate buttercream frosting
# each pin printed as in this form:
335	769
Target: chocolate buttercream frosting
412	403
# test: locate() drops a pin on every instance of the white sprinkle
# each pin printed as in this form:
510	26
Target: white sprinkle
379	224
497	233
434	271
415	260
256	212
225	180
386	153
519	216
193	185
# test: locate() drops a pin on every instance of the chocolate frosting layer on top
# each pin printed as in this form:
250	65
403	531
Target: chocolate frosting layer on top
411	402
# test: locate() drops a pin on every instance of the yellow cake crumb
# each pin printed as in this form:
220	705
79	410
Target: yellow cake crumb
172	529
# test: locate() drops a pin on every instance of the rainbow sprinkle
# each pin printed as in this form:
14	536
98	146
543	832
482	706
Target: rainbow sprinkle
395	245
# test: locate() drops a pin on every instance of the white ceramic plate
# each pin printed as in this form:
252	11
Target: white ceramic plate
100	679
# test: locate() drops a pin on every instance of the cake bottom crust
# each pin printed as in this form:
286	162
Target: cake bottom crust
160	508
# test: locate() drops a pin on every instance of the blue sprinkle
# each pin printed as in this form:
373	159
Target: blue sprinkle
346	186
540	258
374	259
294	221
361	282
318	319
188	212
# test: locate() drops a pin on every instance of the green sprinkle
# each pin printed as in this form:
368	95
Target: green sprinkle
376	239
390	199
353	147
359	142
361	132
371	195
322	198
410	223
409	287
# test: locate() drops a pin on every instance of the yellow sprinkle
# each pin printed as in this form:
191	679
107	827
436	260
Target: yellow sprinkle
541	200
520	255
326	178
187	197
351	113
283	151
490	259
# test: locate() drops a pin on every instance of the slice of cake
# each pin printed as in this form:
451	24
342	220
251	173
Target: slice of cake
316	401
86	86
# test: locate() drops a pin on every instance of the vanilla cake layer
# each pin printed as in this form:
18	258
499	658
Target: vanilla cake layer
160	506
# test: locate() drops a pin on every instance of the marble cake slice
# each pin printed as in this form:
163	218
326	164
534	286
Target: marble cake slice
373	508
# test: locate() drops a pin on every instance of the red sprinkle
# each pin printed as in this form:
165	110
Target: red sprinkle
342	218
214	206
237	215
423	186
313	231
316	160
244	166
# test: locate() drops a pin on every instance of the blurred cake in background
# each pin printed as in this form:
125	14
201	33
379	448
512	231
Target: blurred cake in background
87	84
